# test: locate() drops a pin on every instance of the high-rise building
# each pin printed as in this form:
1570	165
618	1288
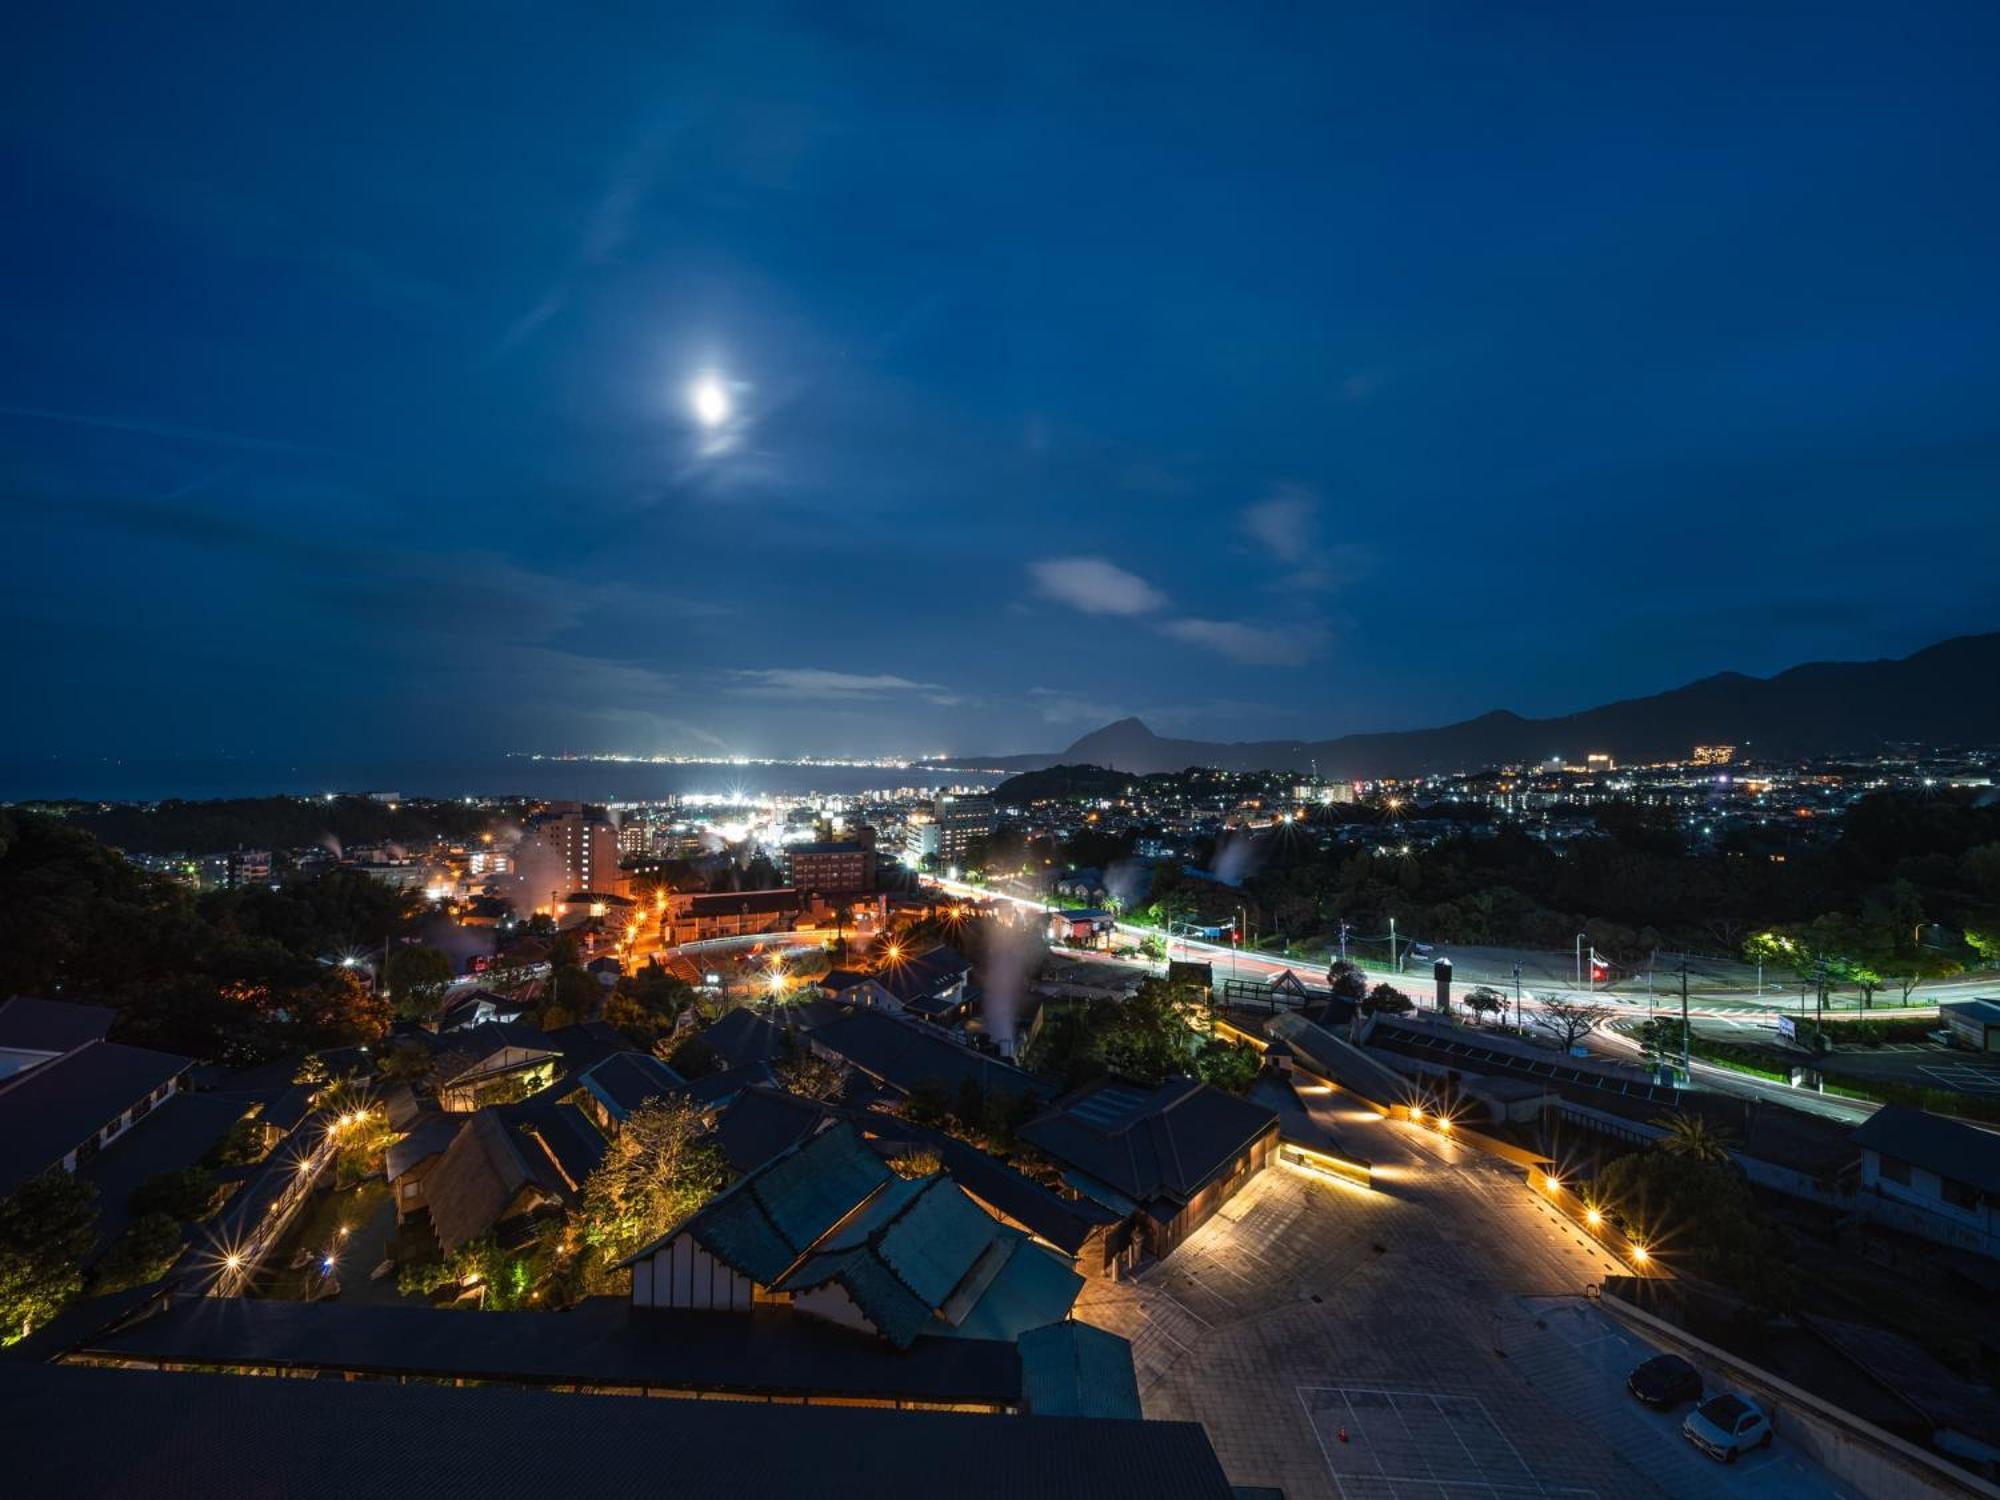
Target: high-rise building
567	849
831	869
963	820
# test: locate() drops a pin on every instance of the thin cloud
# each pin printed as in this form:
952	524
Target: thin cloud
1285	525
1262	645
1095	587
105	423
1285	528
606	231
817	683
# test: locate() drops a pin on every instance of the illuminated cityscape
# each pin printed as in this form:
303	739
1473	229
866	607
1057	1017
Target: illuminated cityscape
1207	754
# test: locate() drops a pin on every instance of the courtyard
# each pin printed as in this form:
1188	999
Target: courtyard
1429	1338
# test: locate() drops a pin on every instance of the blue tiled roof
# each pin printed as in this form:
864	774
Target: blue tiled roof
1074	1370
926	1258
766	1221
905	1054
625	1080
1166	1142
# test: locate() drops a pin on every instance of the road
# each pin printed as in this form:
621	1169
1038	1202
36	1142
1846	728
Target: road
1543	975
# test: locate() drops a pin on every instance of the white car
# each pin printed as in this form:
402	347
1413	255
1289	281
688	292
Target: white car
1725	1426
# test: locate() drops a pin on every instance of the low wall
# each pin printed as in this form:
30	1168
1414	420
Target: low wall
1876	1463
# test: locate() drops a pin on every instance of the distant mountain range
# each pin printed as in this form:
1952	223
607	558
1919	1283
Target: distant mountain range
1947	694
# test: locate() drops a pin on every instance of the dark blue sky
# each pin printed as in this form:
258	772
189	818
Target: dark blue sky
1258	371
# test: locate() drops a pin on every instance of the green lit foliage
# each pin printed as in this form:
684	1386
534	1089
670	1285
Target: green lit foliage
1153	1035
813	1077
659	1168
47	1226
1229	1065
646	1005
1661	1041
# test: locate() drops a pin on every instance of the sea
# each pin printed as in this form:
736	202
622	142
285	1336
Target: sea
88	780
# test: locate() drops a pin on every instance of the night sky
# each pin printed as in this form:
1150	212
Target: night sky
1260	373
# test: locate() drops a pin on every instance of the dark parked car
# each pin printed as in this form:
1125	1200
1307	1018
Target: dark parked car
1665	1380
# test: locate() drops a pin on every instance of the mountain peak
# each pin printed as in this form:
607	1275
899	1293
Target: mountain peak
1126	734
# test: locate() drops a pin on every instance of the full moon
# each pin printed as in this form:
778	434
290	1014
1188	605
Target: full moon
710	399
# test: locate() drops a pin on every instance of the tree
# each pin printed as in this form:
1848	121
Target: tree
416	977
1693	1137
47	1226
1909	970
1570	1020
183	1196
1348	981
1662	1042
916	1161
1484	1002
1387	1000
1698	1214
150	1244
927	1103
659	1168
407	1062
1147	1038
813	1077
1230	1066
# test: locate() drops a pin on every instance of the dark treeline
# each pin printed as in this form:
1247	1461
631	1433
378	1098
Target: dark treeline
273	823
1910	881
229	974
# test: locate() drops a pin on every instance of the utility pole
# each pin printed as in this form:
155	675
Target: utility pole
1579	961
1687	1035
1395	959
1344	929
1517	997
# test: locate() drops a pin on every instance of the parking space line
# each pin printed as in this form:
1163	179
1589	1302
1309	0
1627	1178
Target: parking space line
1439	1406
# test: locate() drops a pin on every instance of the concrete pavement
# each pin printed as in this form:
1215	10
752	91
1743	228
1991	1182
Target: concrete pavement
1417	1318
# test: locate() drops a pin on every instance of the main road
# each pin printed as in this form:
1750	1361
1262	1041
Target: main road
1540	976
1729	1011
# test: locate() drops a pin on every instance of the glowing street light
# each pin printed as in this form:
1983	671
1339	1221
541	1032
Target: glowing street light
709	397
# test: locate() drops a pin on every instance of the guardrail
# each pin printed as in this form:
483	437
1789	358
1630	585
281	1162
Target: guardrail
1876	1463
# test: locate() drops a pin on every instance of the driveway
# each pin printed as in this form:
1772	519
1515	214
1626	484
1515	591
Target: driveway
1425	1339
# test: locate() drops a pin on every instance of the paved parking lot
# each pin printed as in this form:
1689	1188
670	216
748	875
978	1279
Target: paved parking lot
1439	1321
1967	1078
